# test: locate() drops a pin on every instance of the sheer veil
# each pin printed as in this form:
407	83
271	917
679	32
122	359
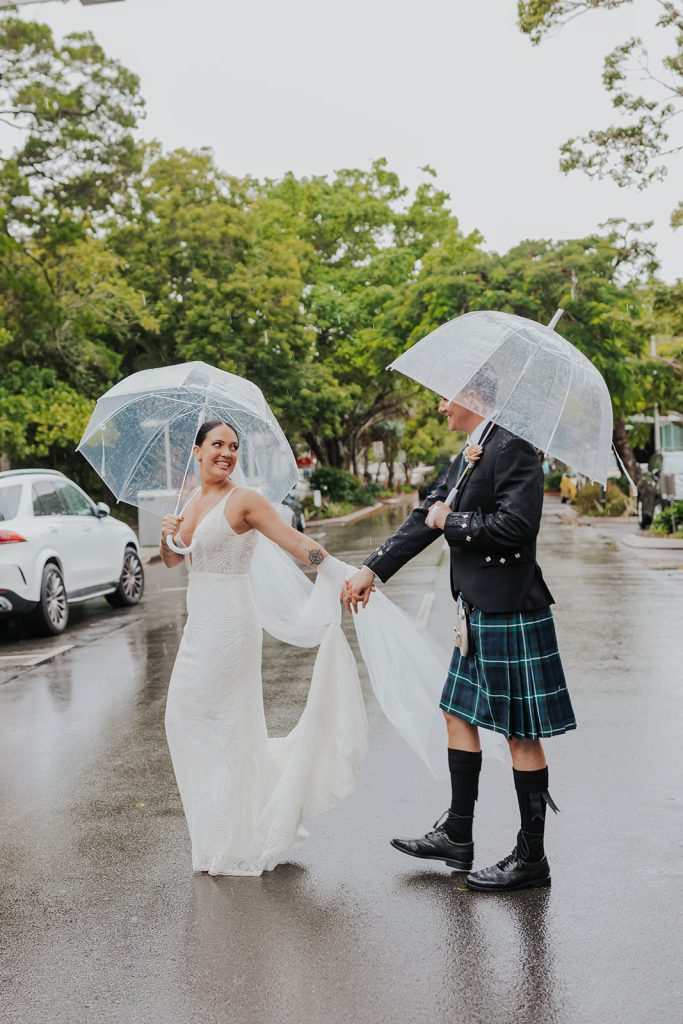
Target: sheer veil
406	666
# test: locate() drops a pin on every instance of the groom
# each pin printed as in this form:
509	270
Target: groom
510	680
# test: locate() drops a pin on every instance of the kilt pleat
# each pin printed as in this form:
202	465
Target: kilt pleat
513	682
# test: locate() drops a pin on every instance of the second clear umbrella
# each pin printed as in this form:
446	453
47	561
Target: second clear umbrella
537	384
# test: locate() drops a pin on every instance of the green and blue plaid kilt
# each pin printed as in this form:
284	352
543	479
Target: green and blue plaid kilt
513	682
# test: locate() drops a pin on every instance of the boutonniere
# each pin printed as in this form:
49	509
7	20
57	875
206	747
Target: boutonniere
472	454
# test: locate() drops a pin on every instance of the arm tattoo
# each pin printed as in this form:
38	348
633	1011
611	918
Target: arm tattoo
315	556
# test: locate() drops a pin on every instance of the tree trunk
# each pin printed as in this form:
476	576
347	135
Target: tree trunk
353	454
390	455
620	438
366	464
312	442
335	452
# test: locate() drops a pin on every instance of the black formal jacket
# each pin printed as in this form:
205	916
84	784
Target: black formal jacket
491	532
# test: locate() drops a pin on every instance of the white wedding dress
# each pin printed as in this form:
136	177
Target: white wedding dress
244	794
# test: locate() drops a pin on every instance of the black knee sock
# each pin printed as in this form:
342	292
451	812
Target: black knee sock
465	766
532	796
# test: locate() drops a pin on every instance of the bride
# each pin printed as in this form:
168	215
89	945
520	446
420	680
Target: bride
243	793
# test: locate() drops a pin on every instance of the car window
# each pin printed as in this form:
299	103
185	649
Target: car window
76	503
9	502
46	499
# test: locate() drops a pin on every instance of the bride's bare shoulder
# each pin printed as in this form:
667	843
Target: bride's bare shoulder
243	501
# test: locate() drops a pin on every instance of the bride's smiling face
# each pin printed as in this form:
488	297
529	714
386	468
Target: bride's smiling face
217	454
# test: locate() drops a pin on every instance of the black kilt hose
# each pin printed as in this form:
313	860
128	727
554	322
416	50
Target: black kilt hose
512	682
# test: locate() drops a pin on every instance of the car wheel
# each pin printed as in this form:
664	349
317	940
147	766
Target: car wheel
52	614
563	499
644	520
131	583
301	526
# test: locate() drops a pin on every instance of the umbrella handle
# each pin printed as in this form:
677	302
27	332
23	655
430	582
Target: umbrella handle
185	550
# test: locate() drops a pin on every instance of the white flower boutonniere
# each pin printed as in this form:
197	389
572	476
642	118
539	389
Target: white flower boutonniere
472	453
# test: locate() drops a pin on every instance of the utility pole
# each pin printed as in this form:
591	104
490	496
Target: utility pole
658	443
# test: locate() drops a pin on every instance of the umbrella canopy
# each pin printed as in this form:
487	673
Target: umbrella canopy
140	436
524	376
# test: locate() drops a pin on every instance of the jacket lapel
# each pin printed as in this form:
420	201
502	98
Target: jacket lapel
461	465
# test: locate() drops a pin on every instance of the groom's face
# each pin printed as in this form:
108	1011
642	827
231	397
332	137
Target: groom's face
458	416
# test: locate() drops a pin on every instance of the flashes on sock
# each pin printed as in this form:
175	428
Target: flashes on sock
532	796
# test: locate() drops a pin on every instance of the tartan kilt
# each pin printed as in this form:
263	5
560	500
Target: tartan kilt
513	681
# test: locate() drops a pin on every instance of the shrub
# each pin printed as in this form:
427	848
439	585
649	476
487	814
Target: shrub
588	501
334	509
308	505
669	520
616	502
552	481
335	484
367	495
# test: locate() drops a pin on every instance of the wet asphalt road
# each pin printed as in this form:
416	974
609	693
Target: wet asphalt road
102	920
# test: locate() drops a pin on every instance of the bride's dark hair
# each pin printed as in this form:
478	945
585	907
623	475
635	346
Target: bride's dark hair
209	425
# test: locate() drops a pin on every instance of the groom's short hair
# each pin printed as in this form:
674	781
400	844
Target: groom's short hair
484	383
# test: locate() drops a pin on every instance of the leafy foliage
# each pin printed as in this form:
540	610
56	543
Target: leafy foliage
116	256
638	151
335	484
669	520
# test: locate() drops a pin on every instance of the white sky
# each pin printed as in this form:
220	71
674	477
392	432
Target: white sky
311	86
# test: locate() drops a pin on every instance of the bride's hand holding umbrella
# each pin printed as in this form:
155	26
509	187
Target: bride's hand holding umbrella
170	527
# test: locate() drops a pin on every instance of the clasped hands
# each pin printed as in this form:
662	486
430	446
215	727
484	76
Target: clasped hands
358	589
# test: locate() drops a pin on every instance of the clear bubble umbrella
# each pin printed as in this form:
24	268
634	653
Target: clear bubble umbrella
534	383
140	435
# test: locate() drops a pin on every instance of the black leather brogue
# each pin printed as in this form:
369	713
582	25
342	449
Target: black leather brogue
436	845
509	874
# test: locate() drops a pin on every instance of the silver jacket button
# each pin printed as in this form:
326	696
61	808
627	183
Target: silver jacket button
488	558
502	561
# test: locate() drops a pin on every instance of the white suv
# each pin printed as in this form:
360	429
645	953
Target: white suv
57	547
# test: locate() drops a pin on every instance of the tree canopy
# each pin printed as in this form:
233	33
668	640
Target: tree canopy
640	147
116	256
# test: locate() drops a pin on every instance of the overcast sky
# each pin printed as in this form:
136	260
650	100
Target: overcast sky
310	86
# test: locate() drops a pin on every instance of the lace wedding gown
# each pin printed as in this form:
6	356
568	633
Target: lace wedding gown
244	794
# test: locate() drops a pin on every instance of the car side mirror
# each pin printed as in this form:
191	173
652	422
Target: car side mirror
102	510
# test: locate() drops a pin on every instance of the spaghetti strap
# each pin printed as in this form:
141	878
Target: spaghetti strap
231	492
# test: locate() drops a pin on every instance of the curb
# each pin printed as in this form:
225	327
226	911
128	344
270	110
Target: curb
150	556
635	540
351	517
361	513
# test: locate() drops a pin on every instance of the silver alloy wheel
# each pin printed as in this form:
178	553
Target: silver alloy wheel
55	599
131	577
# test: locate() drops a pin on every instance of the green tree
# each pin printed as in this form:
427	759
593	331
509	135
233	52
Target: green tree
222	277
365	237
596	281
42	416
639	148
65	305
75	110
